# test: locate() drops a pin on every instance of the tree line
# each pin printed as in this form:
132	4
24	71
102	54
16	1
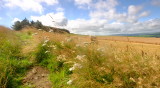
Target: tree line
18	25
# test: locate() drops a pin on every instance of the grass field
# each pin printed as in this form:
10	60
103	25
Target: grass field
146	40
74	62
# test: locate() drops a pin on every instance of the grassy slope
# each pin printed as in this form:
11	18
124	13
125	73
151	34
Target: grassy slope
75	64
13	64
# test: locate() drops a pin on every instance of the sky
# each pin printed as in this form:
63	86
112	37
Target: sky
87	17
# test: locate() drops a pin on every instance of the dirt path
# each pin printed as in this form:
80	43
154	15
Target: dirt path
37	77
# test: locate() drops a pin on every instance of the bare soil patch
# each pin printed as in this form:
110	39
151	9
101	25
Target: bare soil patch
37	77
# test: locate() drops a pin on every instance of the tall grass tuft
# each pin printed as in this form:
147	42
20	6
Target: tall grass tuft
43	52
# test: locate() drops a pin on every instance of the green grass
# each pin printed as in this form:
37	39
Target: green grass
13	64
24	36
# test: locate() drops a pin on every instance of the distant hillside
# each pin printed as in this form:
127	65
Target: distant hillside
157	35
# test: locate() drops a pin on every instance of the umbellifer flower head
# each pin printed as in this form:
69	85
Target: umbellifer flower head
69	82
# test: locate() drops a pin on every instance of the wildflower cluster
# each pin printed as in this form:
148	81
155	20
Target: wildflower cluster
68	39
80	57
61	58
76	65
45	42
69	82
53	46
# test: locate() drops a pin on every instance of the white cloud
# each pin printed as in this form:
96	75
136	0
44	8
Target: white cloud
144	14
105	5
88	27
82	2
155	2
105	19
107	10
99	4
29	5
0	18
134	10
131	16
15	19
48	2
59	9
52	19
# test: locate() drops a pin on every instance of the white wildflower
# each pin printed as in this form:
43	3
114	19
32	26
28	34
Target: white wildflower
100	49
72	68
47	51
61	58
47	40
132	79
54	47
76	65
68	39
39	29
69	82
44	44
80	57
102	68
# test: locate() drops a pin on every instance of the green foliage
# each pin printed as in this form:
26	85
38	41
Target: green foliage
37	24
43	52
59	79
58	69
13	64
18	25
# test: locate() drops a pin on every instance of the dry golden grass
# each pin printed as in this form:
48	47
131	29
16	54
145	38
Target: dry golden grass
113	62
132	39
142	45
135	60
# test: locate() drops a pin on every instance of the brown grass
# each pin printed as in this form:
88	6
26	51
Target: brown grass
132	39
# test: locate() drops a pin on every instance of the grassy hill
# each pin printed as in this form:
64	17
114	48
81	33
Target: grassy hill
73	61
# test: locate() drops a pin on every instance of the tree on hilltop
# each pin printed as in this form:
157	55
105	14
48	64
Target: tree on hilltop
17	26
25	22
